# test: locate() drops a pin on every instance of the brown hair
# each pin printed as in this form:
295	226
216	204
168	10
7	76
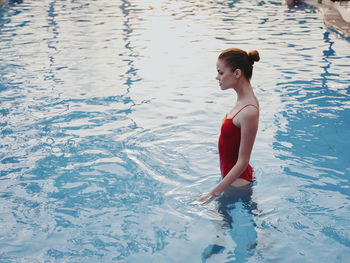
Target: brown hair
236	58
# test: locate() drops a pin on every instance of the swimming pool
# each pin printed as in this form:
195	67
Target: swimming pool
110	114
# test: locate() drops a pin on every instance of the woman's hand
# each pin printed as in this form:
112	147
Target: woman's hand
204	198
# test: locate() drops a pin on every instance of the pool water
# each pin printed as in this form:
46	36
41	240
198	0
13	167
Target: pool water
110	115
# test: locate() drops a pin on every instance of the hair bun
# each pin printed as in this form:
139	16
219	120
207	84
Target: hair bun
253	56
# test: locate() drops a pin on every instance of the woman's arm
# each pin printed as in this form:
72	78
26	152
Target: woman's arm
249	125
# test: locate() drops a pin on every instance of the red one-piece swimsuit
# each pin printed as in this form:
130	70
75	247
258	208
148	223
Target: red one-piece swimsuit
229	141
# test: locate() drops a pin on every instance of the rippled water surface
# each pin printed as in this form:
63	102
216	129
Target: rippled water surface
109	118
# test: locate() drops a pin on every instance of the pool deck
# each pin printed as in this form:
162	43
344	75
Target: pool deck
336	15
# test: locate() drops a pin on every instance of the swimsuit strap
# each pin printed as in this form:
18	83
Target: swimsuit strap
244	108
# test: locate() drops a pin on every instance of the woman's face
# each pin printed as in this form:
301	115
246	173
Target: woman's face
225	75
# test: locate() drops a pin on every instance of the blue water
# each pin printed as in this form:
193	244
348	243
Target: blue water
110	114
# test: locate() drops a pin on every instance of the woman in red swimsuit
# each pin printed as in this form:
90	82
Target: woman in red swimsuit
240	124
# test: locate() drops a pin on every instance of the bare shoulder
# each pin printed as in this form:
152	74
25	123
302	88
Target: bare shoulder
250	112
248	116
252	108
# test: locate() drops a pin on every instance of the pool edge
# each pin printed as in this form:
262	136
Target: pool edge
331	16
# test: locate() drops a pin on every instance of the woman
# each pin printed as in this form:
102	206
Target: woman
240	124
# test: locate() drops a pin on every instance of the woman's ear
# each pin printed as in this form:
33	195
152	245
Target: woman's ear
237	73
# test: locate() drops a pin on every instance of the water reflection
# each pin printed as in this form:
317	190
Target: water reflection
327	54
73	162
313	148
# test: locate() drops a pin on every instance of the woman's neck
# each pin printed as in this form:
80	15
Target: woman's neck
244	90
